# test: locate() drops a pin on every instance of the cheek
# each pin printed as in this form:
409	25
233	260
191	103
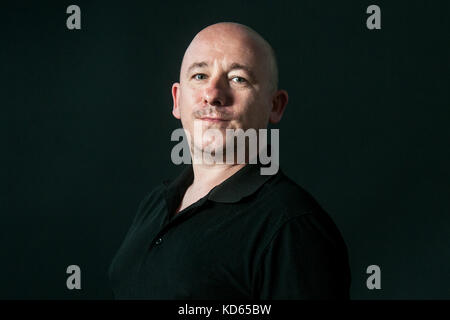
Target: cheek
188	99
245	103
253	111
193	95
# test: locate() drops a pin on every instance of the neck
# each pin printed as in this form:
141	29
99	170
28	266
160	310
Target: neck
207	177
208	174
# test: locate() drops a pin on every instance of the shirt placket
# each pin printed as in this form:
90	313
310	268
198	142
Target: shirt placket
174	222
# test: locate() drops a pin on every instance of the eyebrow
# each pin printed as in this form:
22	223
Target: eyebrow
237	66
234	66
196	65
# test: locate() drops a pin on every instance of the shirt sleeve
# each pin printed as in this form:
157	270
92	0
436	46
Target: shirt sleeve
306	259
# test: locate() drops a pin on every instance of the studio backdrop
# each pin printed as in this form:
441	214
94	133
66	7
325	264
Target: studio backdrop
86	124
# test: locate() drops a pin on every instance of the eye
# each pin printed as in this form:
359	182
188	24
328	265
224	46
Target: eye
199	76
238	80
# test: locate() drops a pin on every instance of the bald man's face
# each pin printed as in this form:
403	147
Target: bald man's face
225	83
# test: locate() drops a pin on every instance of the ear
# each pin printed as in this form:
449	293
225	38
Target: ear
279	102
175	97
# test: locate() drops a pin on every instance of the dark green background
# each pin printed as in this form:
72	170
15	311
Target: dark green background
86	123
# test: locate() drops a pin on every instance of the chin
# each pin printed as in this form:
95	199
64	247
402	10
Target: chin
208	151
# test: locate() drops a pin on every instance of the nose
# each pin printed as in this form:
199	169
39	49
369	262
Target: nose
215	93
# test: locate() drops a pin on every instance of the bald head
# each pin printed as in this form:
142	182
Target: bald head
216	35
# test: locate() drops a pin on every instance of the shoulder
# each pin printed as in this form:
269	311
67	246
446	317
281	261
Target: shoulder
148	203
286	196
156	193
301	223
295	210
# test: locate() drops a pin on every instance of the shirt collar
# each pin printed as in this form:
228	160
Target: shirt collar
243	183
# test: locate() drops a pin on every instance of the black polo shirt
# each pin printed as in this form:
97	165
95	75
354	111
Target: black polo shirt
251	237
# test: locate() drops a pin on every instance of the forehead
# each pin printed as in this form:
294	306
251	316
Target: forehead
224	50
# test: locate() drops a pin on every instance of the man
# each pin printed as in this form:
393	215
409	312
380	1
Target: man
224	230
